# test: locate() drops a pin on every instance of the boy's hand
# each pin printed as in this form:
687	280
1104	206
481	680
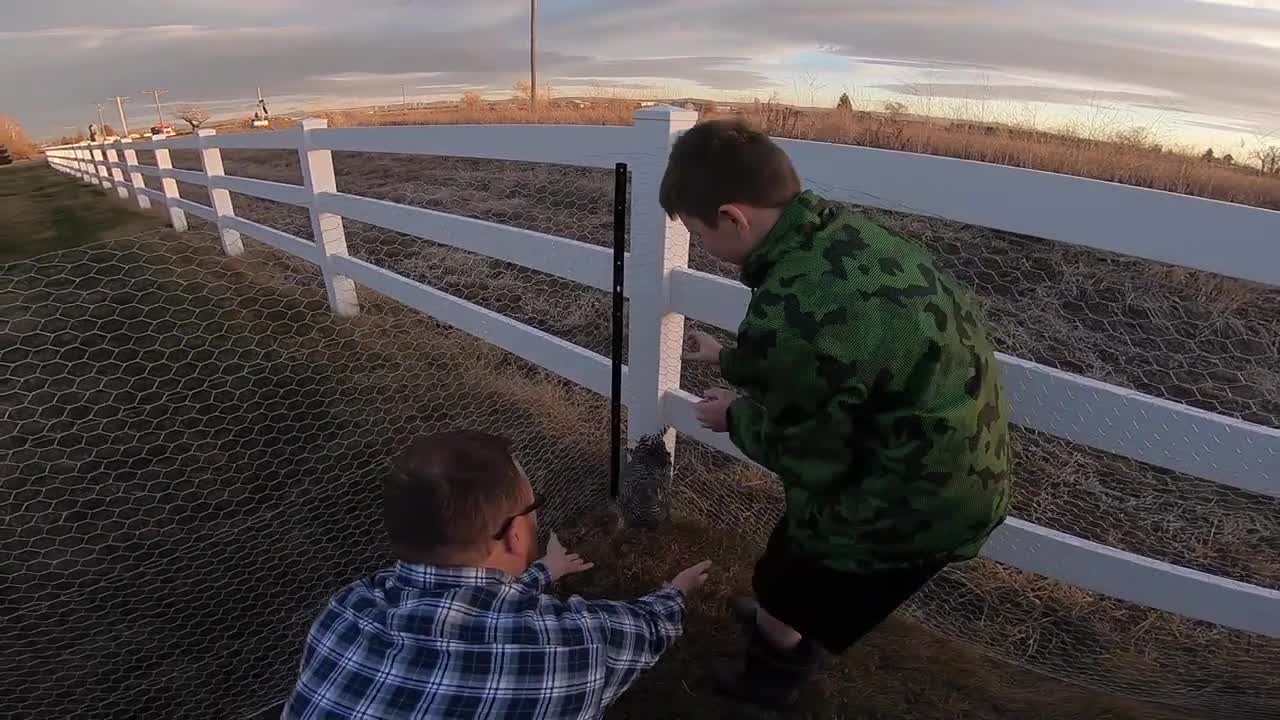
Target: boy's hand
560	562
690	580
705	349
713	411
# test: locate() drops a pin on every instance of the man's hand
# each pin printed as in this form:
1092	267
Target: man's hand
560	562
690	580
713	411
705	349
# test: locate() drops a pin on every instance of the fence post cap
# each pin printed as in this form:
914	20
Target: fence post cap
206	132
158	136
665	112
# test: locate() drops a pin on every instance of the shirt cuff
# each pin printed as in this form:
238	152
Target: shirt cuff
537	577
670	604
670	593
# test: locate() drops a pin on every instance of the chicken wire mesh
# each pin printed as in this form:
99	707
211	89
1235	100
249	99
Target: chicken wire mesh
1191	337
1185	336
192	446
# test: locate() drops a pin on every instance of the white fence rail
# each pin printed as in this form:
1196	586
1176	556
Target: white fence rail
1233	240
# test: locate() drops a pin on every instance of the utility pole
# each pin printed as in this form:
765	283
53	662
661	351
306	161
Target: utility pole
156	94
101	123
533	65
404	101
124	124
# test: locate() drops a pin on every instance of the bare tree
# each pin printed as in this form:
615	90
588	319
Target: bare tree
893	107
193	115
521	90
15	138
471	100
1268	159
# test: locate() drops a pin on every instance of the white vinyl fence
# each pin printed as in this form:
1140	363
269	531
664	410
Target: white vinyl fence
1232	240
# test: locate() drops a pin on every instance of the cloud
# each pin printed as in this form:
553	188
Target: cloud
915	64
1212	58
1032	93
1223	126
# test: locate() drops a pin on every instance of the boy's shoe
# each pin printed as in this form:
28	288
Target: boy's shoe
767	677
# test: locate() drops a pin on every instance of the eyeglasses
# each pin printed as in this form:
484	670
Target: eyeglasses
506	524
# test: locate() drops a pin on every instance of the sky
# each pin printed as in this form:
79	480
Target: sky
1200	72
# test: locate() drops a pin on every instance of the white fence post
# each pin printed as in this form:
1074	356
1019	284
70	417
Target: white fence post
219	199
77	156
330	236
135	177
99	170
177	218
116	174
656	335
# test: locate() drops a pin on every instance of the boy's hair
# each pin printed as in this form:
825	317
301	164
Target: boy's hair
725	161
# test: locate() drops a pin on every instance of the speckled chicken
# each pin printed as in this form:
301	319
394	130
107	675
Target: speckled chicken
645	485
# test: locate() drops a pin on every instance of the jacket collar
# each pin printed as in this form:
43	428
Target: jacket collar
431	577
782	237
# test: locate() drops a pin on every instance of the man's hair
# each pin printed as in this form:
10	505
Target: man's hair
725	161
447	493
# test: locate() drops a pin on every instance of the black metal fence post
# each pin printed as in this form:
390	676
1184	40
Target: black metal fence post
620	180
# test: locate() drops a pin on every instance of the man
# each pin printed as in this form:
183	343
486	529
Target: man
460	627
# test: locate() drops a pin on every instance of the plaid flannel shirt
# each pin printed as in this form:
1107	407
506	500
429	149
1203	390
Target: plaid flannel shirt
430	642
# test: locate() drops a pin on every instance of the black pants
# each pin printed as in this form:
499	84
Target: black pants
832	608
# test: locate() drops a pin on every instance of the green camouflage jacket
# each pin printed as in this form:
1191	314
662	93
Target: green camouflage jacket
871	389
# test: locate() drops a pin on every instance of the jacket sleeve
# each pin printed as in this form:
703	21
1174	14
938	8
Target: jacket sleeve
746	429
799	405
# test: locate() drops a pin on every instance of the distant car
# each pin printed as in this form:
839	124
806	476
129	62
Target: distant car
166	130
5	158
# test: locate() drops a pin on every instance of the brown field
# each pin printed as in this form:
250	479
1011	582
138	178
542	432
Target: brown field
316	401
1132	156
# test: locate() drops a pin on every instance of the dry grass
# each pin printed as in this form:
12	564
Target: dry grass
613	112
902	670
1123	156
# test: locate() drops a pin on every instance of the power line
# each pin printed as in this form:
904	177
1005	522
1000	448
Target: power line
101	123
156	95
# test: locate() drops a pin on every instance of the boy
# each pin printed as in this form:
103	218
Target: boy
869	387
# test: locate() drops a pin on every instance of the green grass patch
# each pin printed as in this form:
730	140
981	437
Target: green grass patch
46	211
